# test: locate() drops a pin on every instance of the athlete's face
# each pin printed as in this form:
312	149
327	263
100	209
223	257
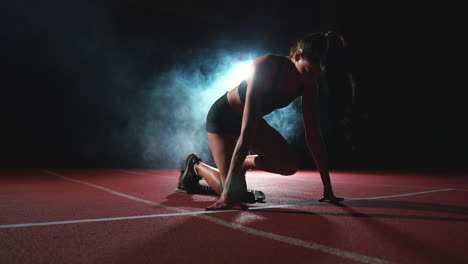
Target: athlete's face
305	67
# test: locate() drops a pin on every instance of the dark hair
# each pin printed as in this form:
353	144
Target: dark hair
315	46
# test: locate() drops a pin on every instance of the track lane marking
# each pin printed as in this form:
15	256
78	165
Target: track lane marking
201	214
273	236
104	219
182	212
185	212
295	179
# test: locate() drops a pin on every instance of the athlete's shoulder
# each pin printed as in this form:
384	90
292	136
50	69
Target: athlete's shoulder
269	57
268	61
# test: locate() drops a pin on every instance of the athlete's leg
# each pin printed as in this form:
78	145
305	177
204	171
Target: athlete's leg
275	155
222	147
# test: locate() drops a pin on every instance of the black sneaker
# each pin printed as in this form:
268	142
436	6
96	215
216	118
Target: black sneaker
188	180
205	189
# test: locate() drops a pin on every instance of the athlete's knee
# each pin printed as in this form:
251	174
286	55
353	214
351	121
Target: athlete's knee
290	166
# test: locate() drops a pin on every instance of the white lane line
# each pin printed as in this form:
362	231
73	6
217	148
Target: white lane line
314	179
140	173
401	195
273	236
106	219
298	242
351	199
115	192
185	212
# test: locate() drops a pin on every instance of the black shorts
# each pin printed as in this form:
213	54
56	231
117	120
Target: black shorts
222	119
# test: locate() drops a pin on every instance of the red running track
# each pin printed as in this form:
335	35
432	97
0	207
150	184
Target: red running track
136	216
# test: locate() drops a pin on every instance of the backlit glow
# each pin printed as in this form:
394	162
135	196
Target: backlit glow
239	71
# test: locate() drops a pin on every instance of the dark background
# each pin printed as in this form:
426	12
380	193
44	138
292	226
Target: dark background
73	69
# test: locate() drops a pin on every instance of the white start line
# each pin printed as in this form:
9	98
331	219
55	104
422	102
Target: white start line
204	215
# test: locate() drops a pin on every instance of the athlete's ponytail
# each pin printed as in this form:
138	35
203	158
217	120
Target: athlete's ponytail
337	59
316	46
335	44
337	90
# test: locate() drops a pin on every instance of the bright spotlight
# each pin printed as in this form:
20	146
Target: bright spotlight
239	72
243	70
228	76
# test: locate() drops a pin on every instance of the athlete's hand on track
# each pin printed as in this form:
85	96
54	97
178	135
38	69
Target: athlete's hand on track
331	198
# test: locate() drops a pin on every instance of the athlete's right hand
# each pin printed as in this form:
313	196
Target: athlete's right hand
331	198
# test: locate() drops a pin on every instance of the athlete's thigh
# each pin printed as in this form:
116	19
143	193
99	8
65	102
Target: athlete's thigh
271	144
222	147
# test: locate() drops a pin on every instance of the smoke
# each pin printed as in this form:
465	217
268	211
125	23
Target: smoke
106	90
288	121
168	119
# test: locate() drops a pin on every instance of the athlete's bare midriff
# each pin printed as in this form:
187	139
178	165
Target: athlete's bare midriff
289	84
235	101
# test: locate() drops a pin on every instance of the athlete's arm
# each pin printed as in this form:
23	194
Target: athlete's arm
261	80
314	138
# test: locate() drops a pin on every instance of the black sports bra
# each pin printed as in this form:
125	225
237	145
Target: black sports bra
272	100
